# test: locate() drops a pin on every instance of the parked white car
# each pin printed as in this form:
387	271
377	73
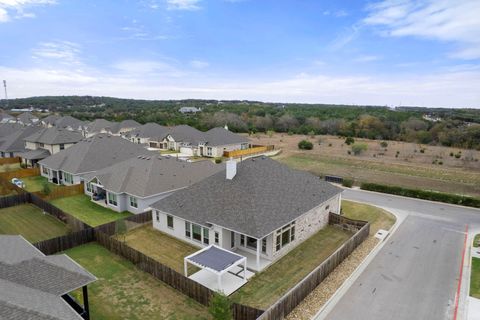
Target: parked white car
18	182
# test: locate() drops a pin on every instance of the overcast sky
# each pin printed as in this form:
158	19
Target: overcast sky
424	53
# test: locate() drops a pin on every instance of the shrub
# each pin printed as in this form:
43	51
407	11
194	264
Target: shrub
451	154
312	134
23	165
46	190
349	152
440	162
457	155
329	144
422	150
220	307
384	144
423	194
358	148
305	145
347	183
218	160
349	141
270	133
290	133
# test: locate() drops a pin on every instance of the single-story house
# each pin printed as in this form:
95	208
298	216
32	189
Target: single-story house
261	209
13	144
49	121
134	184
86	157
182	138
35	286
97	126
6	118
123	127
186	110
46	142
27	119
149	135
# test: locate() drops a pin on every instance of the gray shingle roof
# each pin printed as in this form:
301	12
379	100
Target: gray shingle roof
150	175
118	127
35	154
54	135
50	120
150	130
27	118
185	133
15	142
98	125
69	122
221	136
9	128
92	154
32	284
262	197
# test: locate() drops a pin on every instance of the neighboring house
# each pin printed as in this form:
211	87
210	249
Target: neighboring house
46	142
123	127
9	128
6	118
133	185
261	209
49	121
218	140
86	157
97	126
70	123
13	144
186	110
183	138
149	134
35	286
27	119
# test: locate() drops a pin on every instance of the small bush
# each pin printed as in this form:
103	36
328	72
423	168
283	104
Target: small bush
220	307
440	162
458	155
329	144
349	141
358	148
290	133
349	152
451	154
347	183
46	190
305	145
422	150
270	133
384	144
218	160
312	134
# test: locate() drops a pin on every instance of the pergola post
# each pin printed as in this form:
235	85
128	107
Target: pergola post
245	269
185	267
258	254
85	302
220	282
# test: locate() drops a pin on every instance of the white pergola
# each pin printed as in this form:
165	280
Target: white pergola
218	261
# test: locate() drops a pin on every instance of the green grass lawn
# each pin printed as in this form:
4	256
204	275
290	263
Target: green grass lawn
9	167
35	184
378	218
124	292
269	285
81	207
476	241
171	251
475	278
29	221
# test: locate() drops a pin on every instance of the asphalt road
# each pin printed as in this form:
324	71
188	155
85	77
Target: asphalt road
415	274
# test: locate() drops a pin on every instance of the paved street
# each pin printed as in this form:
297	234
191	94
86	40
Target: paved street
415	274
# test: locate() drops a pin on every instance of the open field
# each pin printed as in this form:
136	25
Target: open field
378	218
160	246
124	292
269	285
29	221
91	213
9	167
412	168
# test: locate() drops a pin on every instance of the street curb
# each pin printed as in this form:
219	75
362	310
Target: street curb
340	292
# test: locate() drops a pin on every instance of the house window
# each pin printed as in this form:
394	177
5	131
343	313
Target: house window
242	240
158	216
67	177
133	202
209	151
205	236
169	221
197	232
44	170
264	245
252	243
232	239
41	145
217	238
188	231
112	199
89	187
62	146
285	235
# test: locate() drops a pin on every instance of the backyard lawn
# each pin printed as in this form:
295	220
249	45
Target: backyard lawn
378	218
475	278
269	285
81	207
35	183
124	292
160	246
30	222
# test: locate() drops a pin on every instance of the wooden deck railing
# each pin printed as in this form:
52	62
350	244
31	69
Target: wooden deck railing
248	152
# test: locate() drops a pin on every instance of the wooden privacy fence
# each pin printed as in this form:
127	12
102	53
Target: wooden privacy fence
14	200
247	152
10	160
294	296
64	191
62	243
22	173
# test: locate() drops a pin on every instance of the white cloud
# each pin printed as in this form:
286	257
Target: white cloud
446	20
367	58
18	8
183	4
199	64
64	52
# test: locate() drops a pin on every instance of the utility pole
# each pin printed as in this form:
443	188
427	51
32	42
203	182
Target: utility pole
6	96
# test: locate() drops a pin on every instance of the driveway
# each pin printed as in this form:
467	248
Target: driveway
415	274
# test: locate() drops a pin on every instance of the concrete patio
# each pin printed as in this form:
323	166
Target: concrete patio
230	281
